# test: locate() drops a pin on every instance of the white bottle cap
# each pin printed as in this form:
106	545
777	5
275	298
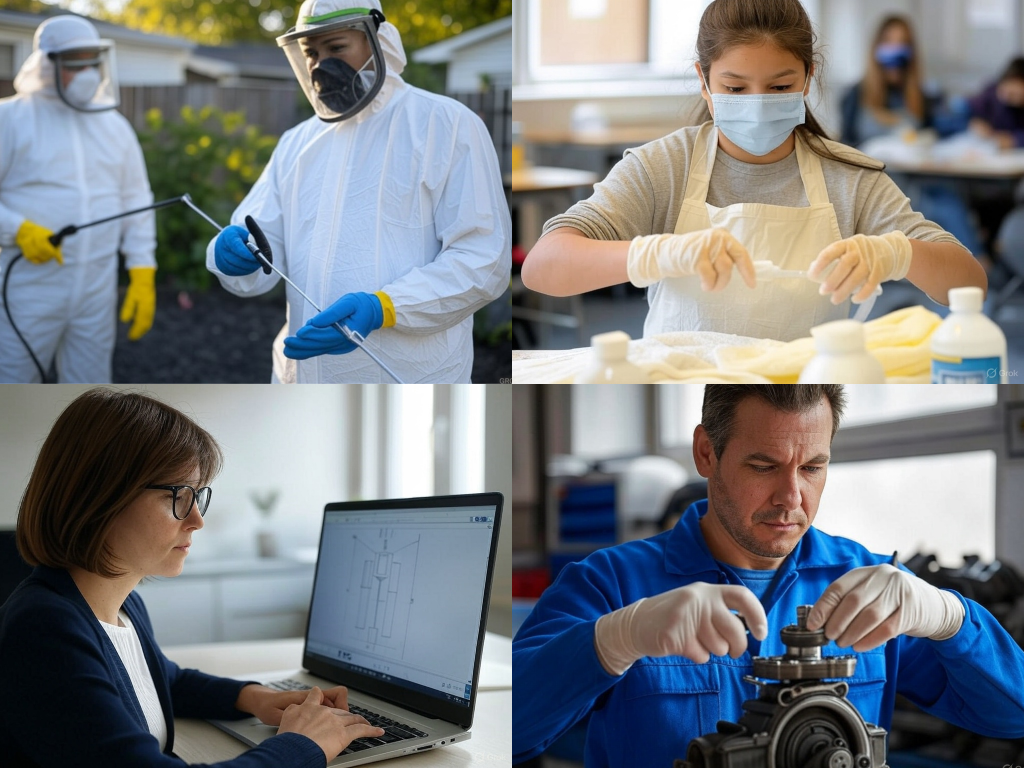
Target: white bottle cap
611	346
968	299
839	337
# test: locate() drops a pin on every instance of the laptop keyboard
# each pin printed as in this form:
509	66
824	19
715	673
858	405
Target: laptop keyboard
393	729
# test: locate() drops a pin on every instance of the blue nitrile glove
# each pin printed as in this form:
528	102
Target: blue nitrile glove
360	312
231	255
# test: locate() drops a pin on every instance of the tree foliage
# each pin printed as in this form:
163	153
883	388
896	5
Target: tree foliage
216	22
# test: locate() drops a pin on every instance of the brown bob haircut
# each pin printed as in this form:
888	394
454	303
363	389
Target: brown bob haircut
101	453
721	400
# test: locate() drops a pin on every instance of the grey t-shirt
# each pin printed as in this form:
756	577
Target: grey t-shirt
643	192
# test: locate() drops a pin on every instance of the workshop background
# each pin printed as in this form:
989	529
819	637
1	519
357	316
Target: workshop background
936	473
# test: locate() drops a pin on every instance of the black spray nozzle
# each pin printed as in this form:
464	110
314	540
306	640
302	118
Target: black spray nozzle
55	240
262	250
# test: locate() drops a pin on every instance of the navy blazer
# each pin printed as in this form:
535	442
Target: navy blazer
66	698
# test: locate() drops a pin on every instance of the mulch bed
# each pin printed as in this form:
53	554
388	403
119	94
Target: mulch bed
222	338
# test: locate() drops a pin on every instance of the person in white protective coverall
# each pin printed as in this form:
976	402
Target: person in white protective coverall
386	208
67	157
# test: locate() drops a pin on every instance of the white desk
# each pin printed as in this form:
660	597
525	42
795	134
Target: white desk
196	741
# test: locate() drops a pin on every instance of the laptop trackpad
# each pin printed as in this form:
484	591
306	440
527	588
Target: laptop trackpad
253	730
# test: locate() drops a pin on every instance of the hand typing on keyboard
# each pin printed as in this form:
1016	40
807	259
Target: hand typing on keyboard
333	729
268	703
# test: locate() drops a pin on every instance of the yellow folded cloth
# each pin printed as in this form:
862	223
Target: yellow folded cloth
900	341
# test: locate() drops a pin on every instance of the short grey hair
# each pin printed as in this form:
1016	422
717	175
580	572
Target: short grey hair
721	400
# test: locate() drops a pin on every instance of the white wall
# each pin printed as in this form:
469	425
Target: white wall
290	438
491	57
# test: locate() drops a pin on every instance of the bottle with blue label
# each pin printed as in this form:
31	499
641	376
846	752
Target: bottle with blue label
968	348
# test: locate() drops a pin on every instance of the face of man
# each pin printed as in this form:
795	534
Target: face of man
73	62
350	46
763	491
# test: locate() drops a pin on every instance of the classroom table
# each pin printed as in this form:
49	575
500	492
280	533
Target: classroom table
196	741
534	190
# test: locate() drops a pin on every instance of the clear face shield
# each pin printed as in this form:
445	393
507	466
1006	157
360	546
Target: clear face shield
86	78
338	61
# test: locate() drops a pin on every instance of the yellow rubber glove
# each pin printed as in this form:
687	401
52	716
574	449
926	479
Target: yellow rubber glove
389	308
140	301
35	244
709	253
862	262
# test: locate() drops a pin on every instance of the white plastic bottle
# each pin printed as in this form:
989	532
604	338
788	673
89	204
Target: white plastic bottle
608	363
968	348
842	356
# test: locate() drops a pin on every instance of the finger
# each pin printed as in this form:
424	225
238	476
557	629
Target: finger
723	269
746	603
338	696
315	696
828	255
855	272
338	312
361	731
852	603
744	264
730	630
865	292
708	274
127	309
328	335
823	609
881	634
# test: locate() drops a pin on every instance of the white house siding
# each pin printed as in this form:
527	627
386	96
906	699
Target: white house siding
492	57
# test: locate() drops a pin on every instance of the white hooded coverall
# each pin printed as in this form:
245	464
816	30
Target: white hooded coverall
59	166
404	198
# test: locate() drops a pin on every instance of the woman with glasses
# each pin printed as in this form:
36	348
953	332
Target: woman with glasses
119	488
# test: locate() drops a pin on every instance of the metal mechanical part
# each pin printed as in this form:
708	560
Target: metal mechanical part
798	720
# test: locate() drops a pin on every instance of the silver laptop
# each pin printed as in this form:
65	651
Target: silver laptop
398	615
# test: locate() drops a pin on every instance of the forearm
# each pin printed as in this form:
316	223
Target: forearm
565	263
937	267
246	701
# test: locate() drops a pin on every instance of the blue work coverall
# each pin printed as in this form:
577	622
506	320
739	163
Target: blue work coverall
648	716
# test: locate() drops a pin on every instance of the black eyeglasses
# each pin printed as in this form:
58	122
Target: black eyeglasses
200	497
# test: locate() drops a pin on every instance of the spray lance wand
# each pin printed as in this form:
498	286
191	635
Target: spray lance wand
262	253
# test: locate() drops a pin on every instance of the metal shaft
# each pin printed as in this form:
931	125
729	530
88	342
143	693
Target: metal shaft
345	331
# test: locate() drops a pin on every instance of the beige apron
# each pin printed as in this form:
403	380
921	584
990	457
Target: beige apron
784	308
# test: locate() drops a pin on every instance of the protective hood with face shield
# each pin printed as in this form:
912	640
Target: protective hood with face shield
70	60
341	51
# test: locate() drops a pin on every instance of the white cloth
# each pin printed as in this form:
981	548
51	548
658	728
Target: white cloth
126	642
58	167
404	198
66	313
789	237
670	357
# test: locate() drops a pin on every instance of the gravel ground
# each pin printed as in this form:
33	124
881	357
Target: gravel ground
226	339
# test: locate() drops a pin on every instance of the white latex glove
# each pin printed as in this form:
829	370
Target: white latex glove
871	605
862	262
692	621
709	253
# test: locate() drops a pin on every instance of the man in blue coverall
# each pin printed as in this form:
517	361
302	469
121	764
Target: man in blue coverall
642	637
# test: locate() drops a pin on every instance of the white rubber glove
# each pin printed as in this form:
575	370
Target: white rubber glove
862	262
709	253
692	621
871	605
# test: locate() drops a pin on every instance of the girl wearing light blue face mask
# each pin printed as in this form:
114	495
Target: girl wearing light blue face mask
760	180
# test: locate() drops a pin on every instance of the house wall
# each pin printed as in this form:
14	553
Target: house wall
492	57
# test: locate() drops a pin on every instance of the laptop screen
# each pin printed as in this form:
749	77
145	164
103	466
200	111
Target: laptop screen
399	593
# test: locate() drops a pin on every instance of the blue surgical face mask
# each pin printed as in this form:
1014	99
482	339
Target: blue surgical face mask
758	123
893	55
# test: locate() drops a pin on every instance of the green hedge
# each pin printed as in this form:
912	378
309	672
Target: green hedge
216	158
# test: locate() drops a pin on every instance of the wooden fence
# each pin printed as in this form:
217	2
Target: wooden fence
277	107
